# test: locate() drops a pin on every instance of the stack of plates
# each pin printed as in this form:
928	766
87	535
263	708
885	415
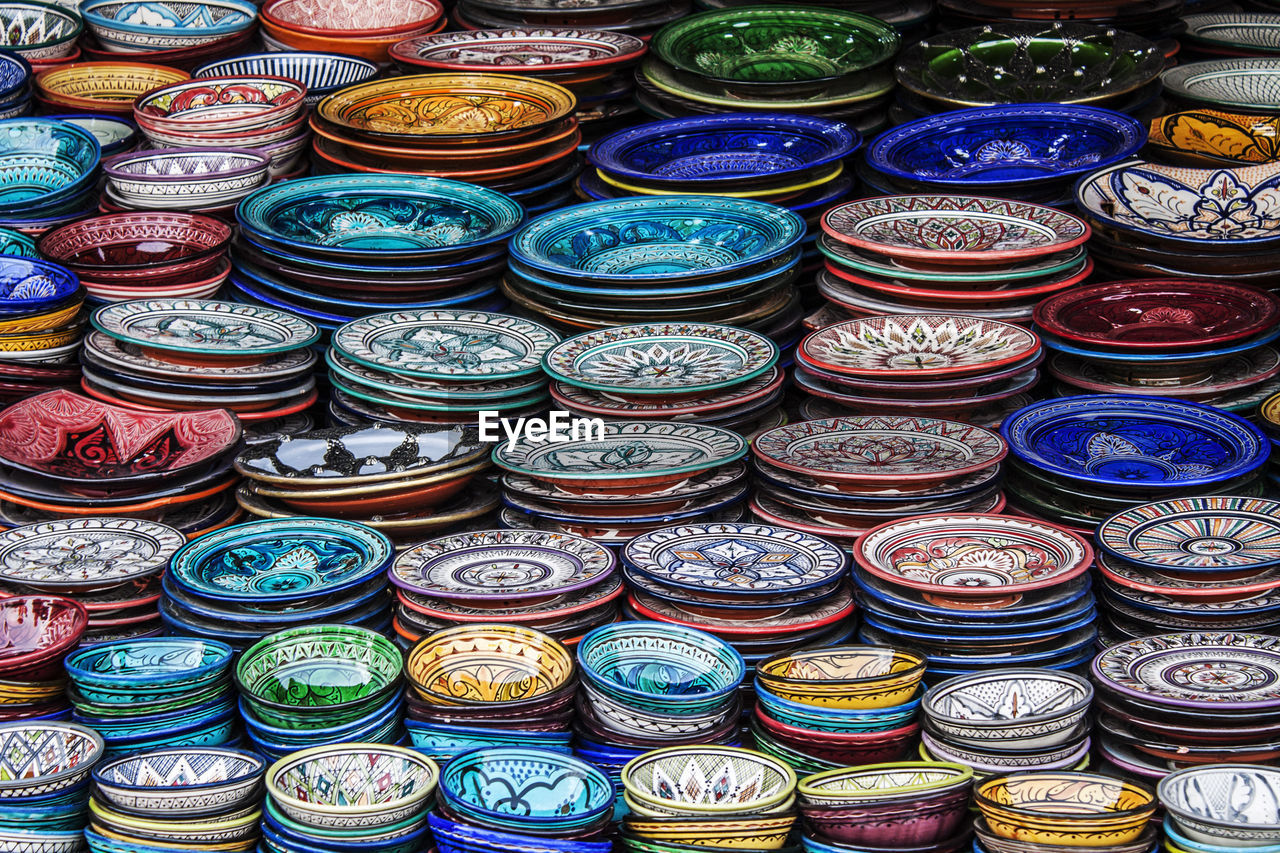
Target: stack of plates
612	481
595	65
209	180
16	83
420	243
101	88
437	365
290	572
404	481
1202	562
1229	34
660	258
1078	460
111	566
365	29
838	477
561	585
964	568
33	678
1191	340
1153	19
638	18
48	172
825	62
41	323
934	365
181	354
717	375
984	257
121	27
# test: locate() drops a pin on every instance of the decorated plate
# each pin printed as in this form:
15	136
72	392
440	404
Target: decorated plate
713	482
426	388
766	385
1246	31
768	624
204	326
128	358
902	347
1195	670
887	450
1222	606
1131	442
502	564
1231	138
1210	534
954	229
519	49
746	559
1241	371
541	611
661	358
86	552
1042	269
1234	83
1174	589
447	344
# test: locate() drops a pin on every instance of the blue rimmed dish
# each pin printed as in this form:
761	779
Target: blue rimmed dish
30	284
143	670
115	135
187	781
323	73
43	163
126	26
15	74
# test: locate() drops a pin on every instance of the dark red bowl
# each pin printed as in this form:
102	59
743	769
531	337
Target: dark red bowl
156	246
35	632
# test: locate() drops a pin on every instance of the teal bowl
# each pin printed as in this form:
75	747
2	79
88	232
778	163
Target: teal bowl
455	740
44	162
213	732
820	719
151	669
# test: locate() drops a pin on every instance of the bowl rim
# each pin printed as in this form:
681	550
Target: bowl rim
785	791
94	19
208	69
961	681
73	668
915	671
305	755
267	14
1166	785
982	801
960	775
291	101
198	221
111	167
257	766
692	636
374	638
407	50
554	758
73	16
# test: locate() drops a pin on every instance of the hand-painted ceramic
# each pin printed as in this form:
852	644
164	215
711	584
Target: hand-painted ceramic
1065	808
323	73
530	790
1233	32
130	27
708	781
1246	83
1231	138
1235	804
44	757
40	31
1131	442
221	104
661	358
1210	534
520	49
1195	670
45	162
187	178
182	781
352	787
501	564
954	229
204	326
670	669
86	552
30	284
364	19
1030	709
1180	592
281	559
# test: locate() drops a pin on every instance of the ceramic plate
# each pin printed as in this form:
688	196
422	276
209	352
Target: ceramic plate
128	358
661	358
772	624
426	388
905	346
447	344
1242	372
1246	32
766	385
536	49
1238	82
501	564
1195	670
954	229
1245	592
1212	534
204	326
86	552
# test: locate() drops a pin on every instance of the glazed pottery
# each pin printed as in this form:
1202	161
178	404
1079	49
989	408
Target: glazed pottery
845	677
1202	802
352	786
1075	809
86	553
473	664
183	781
44	758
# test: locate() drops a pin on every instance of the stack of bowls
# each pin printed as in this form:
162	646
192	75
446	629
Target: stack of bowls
878	808
1193	340
352	795
111	566
16	83
322	74
935	365
723	260
43	34
242	582
1063	810
969	564
829	681
32	678
165	25
489	685
48	171
1009	719
762	589
838	477
297	250
1202	562
318	685
618	486
155	692
198	180
41	324
44	796
1154	722
1078	460
595	65
365	29
181	794
101	88
949	253
1202	813
825	62
561	585
403	481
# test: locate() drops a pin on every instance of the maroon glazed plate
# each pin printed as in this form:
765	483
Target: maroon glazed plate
156	246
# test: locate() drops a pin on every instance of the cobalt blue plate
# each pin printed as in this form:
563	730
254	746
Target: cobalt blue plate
14	74
1051	600
32	285
1132	442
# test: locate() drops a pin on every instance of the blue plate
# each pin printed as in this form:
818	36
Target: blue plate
959	623
15	73
30	284
946	635
259	280
1074	645
323	73
1131	442
1006	144
1052	600
44	163
786	265
455	836
371	268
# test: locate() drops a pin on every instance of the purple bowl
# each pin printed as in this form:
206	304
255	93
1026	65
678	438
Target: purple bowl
899	823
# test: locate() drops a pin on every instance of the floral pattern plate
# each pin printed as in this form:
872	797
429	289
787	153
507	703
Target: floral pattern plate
1209	534
128	358
447	344
661	358
505	565
86	553
902	347
954	229
675	407
204	326
1195	670
746	559
1175	589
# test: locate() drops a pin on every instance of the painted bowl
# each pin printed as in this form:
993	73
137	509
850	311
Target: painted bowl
357	19
709	781
1231	82
847	720
159	247
1209	804
186	177
134	671
1009	708
102	86
767	832
928	819
848	677
37	631
185	781
323	73
900	782
44	162
486	664
665	668
1063	807
29	285
332	673
46	758
527	50
221	104
40	32
236	830
165	25
352	786
453	836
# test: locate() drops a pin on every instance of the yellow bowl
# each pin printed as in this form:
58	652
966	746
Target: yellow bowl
482	664
1065	808
111	86
750	833
21	692
40	322
645	809
856	677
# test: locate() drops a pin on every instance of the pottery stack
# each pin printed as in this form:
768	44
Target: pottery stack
1267	417
365	29
31	680
638	18
322	73
561	585
1199	824
41	324
1064	810
486	685
44	801
200	180
52	170
119	28
16	85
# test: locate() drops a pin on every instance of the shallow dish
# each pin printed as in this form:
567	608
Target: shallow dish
483	664
354	19
38	631
161	247
1237	82
221	104
1209	534
209	327
709	781
126	27
169	177
98	86
184	781
30	284
844	676
46	758
1139	669
352	786
1009	708
529	790
86	553
896	782
532	50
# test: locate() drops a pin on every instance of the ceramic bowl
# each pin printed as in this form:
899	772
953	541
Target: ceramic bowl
807	716
102	86
29	285
323	73
1062	807
710	781
1210	804
159	247
44	162
236	830
221	104
41	32
846	677
1009	708
527	50
767	832
453	836
129	672
365	19
46	757
992	843
187	178
352	786
166	26
902	782
184	781
930	818
38	631
485	664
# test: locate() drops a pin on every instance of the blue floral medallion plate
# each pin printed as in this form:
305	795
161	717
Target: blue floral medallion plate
1200	534
204	326
281	559
748	559
1131	442
661	358
86	553
443	344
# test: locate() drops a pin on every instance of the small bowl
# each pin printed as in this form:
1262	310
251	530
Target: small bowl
896	781
845	676
486	664
185	781
45	757
259	102
30	285
928	818
1009	708
708	781
147	670
38	630
171	25
1228	805
186	177
40	32
232	829
352	785
768	832
44	162
1064	807
102	86
160	247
